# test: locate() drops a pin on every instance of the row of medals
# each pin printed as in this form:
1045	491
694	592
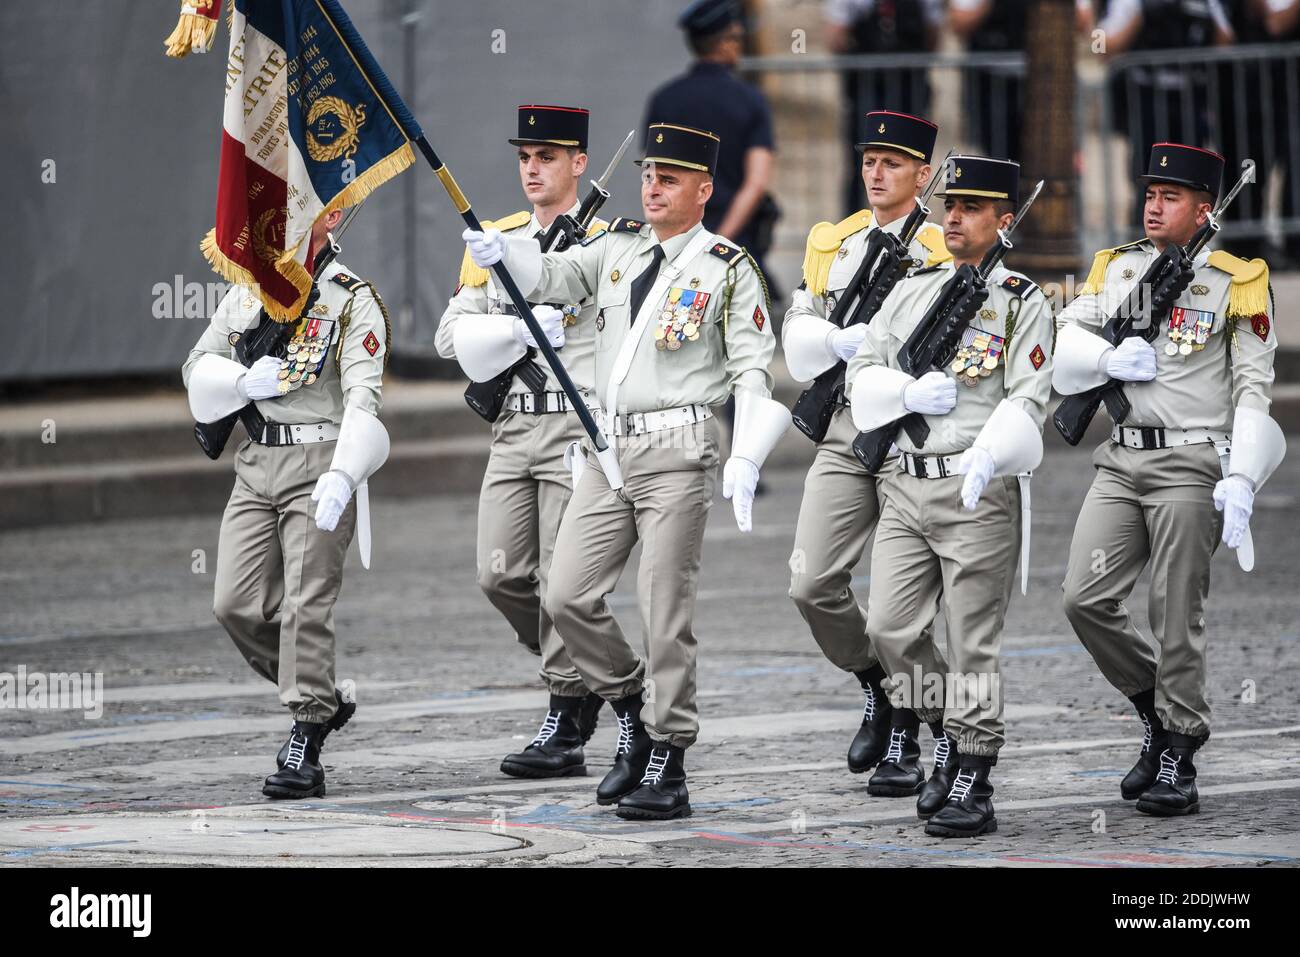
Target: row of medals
1185	343
673	328
975	361
302	353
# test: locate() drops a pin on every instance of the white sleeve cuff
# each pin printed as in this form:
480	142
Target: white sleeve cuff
1079	360
806	343
877	397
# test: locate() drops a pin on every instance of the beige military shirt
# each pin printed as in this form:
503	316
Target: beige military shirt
1225	321
717	302
822	288
1006	352
347	317
478	294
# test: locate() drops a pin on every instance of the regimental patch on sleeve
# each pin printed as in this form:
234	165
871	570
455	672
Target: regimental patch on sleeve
1038	357
1260	325
728	254
1018	285
348	281
759	318
371	343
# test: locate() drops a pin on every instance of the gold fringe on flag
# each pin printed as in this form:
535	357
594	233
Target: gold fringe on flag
288	267
196	28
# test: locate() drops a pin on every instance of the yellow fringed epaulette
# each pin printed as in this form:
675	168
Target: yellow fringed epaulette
824	241
931	237
1248	294
472	275
1100	263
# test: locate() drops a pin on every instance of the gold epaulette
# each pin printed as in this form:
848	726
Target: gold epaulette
824	241
931	237
597	227
1100	263
1248	296
472	275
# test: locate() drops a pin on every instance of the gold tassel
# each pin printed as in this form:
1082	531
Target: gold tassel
194	32
1248	295
1097	275
470	274
819	256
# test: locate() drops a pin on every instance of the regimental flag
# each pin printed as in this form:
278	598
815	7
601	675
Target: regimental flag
306	131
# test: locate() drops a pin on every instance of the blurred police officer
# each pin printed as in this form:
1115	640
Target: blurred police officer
1179	475
527	484
290	518
950	526
710	96
840	504
683	321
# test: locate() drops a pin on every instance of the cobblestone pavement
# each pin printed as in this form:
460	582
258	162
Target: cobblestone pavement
172	769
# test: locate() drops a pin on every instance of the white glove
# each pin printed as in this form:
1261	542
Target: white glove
332	491
552	322
932	394
739	480
977	465
485	248
844	342
1133	360
262	380
1235	498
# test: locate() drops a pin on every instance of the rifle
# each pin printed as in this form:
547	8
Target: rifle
269	338
936	338
882	266
1142	313
488	398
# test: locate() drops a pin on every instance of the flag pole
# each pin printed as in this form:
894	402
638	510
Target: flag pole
402	115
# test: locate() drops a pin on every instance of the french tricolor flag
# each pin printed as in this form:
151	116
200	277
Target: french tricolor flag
308	128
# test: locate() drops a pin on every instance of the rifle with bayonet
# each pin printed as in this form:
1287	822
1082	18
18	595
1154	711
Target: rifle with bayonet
488	398
268	338
886	261
936	339
1142	313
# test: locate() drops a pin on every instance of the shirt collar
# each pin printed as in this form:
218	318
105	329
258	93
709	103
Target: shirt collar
534	227
675	245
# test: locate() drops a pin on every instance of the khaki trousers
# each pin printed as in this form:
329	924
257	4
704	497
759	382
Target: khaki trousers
525	490
1148	508
669	479
929	549
278	575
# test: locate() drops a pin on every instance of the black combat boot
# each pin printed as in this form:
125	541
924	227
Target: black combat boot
1174	790
589	715
556	751
630	756
302	776
900	773
873	737
662	792
937	787
968	810
1154	740
346	696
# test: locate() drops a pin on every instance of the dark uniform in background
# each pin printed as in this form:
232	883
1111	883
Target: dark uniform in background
1163	103
884	27
995	95
709	96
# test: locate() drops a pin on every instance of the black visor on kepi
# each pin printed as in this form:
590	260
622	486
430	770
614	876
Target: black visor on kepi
1184	166
552	125
675	145
900	131
982	178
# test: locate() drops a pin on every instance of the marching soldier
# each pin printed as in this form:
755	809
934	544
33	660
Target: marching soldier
840	504
683	320
291	517
950	523
527	483
1197	442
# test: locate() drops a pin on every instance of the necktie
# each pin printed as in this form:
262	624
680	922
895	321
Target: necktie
642	283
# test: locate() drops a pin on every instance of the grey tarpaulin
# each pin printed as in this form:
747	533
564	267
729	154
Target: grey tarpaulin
133	138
